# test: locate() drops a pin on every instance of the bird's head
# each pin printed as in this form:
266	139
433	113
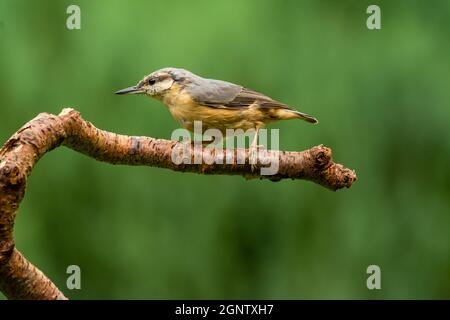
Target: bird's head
157	83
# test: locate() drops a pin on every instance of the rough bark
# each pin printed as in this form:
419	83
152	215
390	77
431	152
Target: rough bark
19	279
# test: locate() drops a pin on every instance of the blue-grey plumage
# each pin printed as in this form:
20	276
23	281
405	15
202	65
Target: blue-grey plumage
218	104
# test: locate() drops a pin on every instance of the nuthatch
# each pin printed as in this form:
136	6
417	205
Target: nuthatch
218	104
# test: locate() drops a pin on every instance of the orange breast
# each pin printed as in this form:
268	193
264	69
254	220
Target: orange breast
186	111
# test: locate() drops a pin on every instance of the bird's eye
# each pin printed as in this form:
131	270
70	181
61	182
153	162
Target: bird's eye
151	82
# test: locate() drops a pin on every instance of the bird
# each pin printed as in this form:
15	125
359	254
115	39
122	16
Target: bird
217	104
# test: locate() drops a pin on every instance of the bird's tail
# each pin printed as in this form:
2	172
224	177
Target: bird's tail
306	117
286	114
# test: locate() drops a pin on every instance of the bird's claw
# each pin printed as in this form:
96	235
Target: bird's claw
253	156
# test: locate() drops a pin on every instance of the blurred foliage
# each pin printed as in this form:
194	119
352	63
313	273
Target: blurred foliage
382	98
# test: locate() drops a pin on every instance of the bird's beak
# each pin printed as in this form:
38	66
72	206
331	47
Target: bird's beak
130	90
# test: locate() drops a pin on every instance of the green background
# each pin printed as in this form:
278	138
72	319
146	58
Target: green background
382	98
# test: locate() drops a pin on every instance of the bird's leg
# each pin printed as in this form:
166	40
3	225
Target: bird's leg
204	142
253	151
209	140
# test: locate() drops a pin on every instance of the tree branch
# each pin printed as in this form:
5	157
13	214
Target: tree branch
19	279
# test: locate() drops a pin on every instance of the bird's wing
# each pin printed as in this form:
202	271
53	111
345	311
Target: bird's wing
221	94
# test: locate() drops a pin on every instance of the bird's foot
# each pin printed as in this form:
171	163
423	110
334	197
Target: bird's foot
193	143
253	156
